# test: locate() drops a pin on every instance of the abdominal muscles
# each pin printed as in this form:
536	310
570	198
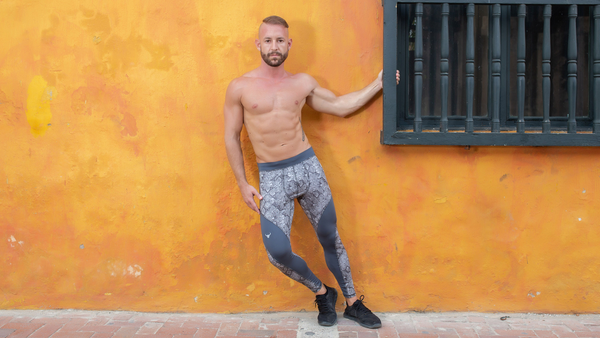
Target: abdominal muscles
276	135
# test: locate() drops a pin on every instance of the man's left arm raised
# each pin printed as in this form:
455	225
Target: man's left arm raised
325	101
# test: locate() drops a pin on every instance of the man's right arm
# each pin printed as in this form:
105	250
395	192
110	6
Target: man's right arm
234	120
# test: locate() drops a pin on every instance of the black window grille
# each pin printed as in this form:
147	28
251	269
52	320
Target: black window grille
502	73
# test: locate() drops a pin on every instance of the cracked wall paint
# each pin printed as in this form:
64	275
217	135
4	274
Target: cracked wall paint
118	193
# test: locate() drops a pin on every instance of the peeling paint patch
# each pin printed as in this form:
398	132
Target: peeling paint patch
119	268
12	241
135	270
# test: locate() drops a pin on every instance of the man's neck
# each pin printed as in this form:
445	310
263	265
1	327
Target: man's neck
272	72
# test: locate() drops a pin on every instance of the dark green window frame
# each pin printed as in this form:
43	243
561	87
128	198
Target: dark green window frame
499	127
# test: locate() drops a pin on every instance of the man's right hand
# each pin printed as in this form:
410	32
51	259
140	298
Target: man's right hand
248	193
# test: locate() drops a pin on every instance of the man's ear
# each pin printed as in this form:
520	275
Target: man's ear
289	43
257	43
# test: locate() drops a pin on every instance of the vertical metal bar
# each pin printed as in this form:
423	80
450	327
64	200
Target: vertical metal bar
390	57
546	69
505	54
572	69
496	67
596	58
418	122
444	66
470	54
521	69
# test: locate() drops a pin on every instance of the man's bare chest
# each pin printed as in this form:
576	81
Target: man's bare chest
263	97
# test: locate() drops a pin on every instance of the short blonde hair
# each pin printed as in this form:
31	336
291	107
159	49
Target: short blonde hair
276	20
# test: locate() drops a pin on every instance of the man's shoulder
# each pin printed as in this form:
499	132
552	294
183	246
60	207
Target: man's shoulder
303	76
305	79
241	80
244	80
238	84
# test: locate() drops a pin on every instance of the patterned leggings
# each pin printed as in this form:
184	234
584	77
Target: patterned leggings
301	177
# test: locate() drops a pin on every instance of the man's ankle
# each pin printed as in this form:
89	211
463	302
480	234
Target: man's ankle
321	291
350	301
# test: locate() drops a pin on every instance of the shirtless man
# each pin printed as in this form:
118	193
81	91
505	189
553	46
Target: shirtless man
268	101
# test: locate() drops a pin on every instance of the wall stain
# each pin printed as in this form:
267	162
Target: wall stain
39	95
129	125
353	159
102	101
118	54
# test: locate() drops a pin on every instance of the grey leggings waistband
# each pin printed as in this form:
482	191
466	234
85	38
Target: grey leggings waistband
303	156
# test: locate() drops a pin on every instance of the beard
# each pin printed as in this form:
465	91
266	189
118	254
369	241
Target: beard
274	63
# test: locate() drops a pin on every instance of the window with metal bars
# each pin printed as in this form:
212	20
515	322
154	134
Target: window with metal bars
481	73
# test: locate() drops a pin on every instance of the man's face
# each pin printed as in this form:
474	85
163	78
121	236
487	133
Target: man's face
273	43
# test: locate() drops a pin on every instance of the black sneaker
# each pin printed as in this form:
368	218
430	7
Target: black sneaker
359	313
326	304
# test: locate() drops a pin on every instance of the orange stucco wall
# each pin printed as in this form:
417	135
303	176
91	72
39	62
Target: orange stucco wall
116	192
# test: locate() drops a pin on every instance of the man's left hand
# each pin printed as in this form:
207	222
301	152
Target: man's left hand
380	76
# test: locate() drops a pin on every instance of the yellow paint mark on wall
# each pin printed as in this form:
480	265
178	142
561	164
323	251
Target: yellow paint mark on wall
39	96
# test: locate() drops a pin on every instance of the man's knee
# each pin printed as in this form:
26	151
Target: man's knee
279	254
327	227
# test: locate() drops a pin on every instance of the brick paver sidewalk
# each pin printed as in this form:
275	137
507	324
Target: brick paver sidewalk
86	324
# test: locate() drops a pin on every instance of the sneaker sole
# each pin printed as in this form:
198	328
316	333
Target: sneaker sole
374	326
328	324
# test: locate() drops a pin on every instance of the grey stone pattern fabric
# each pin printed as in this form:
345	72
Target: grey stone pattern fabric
344	262
306	182
275	205
316	199
312	286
